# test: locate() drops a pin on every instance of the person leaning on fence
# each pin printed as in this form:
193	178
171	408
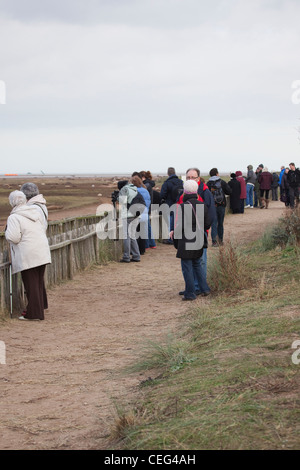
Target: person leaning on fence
127	192
188	236
30	252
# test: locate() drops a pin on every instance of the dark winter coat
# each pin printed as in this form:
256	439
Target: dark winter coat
169	190
275	182
235	186
149	185
293	178
265	180
186	219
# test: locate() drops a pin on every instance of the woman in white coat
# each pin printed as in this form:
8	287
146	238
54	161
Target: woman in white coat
30	252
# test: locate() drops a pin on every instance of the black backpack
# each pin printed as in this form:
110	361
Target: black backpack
217	192
176	189
139	202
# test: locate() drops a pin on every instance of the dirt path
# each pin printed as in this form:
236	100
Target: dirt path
63	376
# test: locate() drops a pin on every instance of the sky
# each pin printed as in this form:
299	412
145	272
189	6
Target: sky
116	86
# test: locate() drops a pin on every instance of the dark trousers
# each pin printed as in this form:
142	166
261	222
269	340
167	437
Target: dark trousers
217	227
33	280
275	194
294	195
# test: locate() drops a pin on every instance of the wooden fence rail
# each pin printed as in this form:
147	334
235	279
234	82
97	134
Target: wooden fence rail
74	245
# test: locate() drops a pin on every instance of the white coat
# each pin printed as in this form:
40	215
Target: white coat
26	233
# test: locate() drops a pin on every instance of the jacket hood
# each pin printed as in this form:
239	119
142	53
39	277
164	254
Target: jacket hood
214	178
28	211
151	182
37	199
238	173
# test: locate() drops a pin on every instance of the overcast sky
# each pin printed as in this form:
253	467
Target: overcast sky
115	86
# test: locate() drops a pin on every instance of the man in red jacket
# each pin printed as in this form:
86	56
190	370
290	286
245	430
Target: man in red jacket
194	174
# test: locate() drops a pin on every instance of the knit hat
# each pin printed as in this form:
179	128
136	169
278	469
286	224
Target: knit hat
121	184
190	187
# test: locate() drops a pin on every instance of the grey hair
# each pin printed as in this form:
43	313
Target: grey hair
30	190
17	198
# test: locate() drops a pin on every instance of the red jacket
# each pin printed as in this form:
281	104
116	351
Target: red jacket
265	180
242	181
180	201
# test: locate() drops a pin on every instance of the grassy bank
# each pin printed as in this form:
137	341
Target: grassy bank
227	380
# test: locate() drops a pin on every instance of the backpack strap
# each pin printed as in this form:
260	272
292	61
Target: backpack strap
41	207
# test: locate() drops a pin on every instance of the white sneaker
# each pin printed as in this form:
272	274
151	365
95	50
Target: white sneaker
251	207
22	318
246	207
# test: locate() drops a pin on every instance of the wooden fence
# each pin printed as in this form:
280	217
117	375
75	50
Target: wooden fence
74	245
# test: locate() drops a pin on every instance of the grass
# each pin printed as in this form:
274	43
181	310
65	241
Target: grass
227	381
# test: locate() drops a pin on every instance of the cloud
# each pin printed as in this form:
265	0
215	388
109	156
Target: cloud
188	68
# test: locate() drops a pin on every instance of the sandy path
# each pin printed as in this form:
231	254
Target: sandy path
63	376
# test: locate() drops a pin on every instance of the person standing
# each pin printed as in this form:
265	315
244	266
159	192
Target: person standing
189	246
146	177
169	194
282	170
257	200
274	186
127	192
243	193
265	182
219	188
285	189
204	195
142	227
293	178
30	251
235	186
250	183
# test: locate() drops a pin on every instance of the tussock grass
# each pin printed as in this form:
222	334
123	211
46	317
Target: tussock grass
227	380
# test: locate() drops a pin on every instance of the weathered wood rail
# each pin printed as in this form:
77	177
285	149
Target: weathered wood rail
74	246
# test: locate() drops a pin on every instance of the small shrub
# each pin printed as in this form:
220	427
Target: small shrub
285	233
226	273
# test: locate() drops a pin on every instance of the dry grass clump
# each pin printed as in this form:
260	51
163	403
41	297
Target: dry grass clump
227	270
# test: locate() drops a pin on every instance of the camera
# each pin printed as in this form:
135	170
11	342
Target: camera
114	196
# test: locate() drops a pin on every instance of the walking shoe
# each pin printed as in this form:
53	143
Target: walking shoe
124	261
135	260
205	294
246	207
187	298
215	243
181	292
22	318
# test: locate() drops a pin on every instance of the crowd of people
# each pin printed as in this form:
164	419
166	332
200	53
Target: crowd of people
258	187
244	192
196	204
